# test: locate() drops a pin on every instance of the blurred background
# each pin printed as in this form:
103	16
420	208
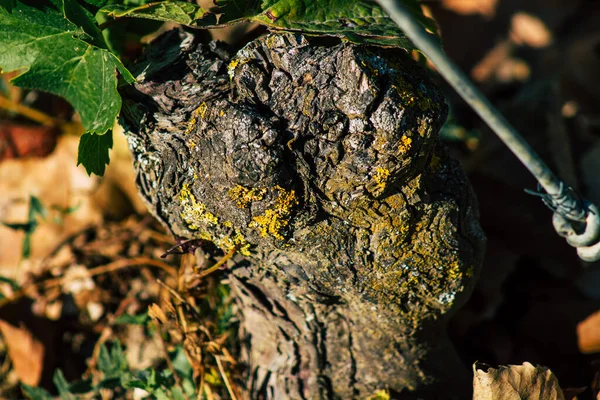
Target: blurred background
80	257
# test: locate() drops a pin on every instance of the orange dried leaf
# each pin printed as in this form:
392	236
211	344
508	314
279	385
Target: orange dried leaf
486	8
25	351
588	334
529	30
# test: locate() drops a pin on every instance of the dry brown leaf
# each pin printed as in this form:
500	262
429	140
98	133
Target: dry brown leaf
157	314
516	382
20	140
588	334
26	352
57	181
529	30
486	8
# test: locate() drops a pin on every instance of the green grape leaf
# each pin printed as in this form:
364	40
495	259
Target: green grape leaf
35	393
359	21
62	386
93	152
176	11
59	48
81	17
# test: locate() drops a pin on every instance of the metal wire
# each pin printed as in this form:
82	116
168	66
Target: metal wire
559	197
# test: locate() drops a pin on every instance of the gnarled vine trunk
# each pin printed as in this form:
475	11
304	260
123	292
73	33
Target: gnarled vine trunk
320	162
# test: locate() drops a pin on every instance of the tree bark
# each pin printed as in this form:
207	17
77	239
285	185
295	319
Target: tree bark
320	162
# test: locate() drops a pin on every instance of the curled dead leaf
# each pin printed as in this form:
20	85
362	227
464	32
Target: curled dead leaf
516	382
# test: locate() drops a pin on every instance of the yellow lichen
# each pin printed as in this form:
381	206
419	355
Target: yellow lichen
382	394
381	177
194	212
405	144
411	97
191	144
233	65
275	220
244	196
406	92
454	271
199	219
198	112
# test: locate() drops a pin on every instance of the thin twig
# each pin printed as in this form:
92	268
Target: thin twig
103	269
208	391
32	114
218	264
190	307
225	378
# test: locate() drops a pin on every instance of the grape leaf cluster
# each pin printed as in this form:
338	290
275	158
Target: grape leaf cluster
59	48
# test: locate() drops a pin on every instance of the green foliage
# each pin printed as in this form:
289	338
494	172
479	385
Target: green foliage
93	152
36	208
177	11
62	385
8	4
35	393
360	21
62	52
112	363
58	45
116	375
59	48
36	211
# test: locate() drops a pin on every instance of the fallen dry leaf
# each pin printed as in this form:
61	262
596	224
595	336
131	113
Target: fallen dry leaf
26	352
588	334
486	8
529	30
516	382
18	140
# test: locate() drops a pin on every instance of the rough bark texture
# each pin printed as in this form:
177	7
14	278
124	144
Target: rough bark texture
320	161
